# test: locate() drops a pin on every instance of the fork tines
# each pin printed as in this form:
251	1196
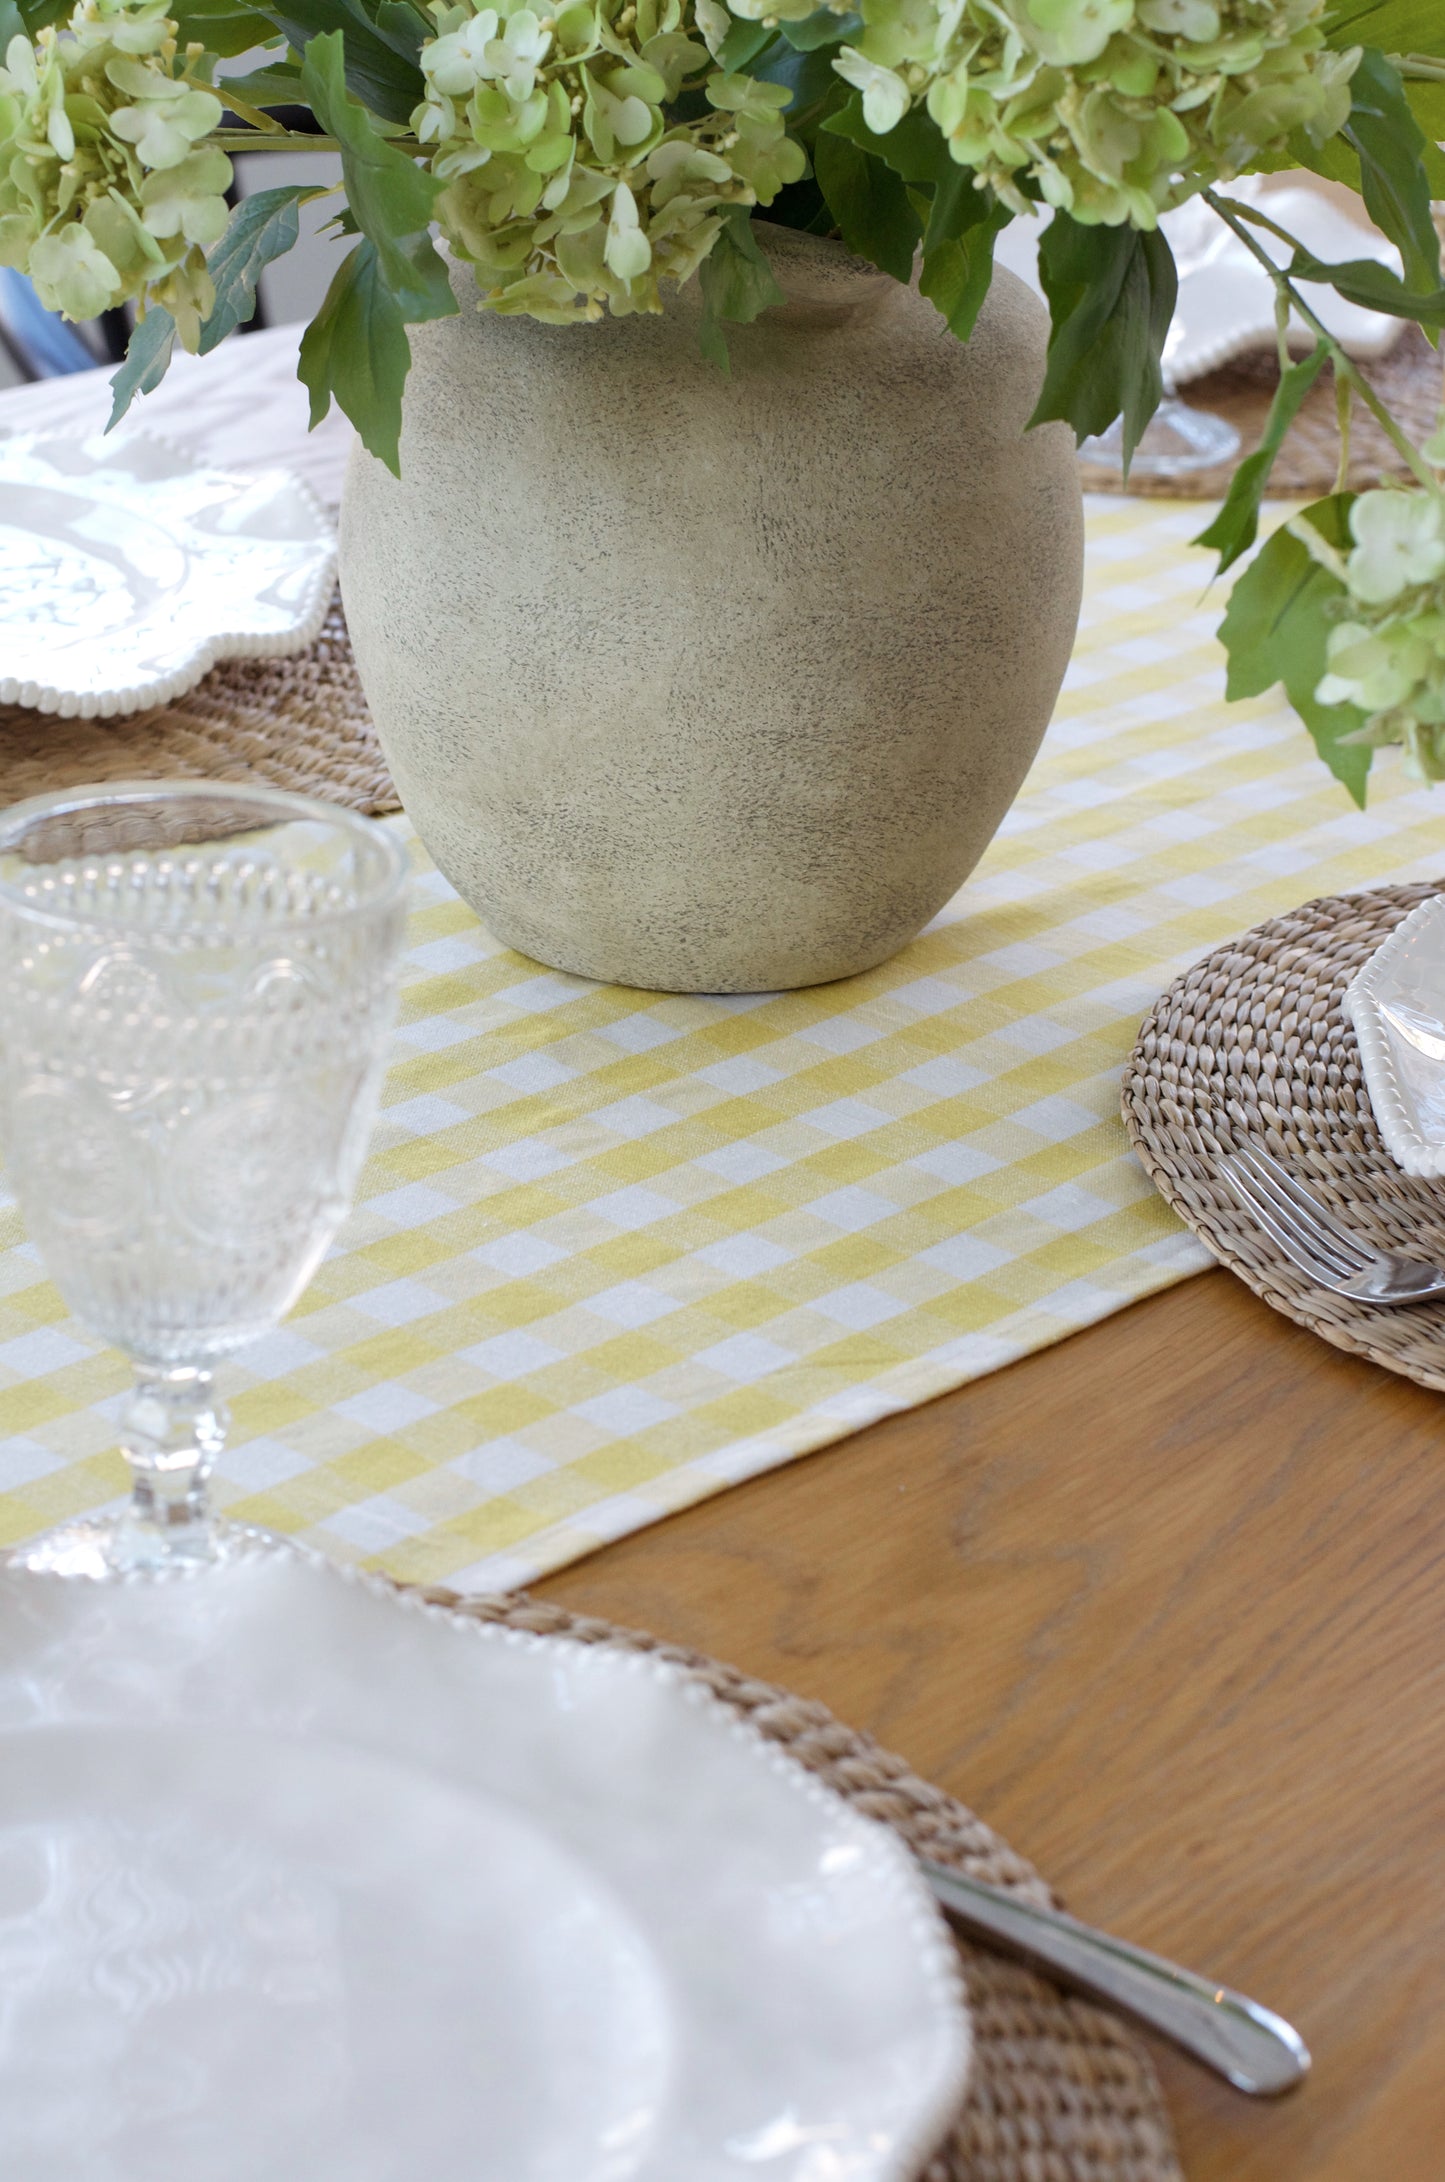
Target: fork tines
1304	1230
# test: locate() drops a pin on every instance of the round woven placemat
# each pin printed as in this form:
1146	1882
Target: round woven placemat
1060	2090
1250	1046
1408	380
298	723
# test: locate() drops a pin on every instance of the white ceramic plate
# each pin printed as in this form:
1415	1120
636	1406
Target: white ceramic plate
1397	1005
127	570
301	1881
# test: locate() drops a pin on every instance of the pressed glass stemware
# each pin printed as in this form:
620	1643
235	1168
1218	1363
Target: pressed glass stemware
196	986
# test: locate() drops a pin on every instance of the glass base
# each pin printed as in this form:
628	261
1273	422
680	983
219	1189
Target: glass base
1176	441
112	1547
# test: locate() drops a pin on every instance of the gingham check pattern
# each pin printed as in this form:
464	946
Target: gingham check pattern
615	1250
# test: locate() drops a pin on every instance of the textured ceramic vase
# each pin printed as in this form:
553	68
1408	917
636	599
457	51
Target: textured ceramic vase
717	684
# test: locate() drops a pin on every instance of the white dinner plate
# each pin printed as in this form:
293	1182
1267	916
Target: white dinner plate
127	570
303	1881
1397	1005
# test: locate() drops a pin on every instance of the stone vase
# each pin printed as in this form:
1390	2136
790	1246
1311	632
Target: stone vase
706	683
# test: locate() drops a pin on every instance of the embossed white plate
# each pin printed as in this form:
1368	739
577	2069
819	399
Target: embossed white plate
127	570
302	1881
1397	1005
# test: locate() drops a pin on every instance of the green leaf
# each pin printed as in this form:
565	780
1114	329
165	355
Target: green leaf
355	351
1427	104
386	82
915	149
223	27
389	194
1362	280
869	202
963	226
743	43
404	29
1236	526
278	85
35	14
737	283
12	24
147	359
1391	145
802	206
1395	26
810	77
1276	630
822	27
1111	294
261	229
1338	161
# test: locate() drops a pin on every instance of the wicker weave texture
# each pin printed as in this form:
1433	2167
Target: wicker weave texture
299	723
1250	1046
1408	380
1060	2090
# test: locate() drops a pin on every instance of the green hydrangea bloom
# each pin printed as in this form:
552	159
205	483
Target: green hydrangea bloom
566	187
104	196
1112	110
1399	544
1387	654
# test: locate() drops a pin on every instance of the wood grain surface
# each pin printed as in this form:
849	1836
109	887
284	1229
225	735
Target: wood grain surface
1166	1605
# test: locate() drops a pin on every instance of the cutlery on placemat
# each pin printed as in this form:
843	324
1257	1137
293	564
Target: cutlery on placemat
1329	1254
1252	2048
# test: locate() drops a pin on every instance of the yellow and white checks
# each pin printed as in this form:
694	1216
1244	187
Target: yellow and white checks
616	1250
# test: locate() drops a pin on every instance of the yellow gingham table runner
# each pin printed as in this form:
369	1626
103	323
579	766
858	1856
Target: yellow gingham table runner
615	1250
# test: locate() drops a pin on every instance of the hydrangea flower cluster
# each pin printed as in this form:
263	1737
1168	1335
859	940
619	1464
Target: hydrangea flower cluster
1387	656
1113	110
108	192
566	187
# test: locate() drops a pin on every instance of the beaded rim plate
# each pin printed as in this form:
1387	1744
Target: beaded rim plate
300	1875
1251	1045
1397	1006
127	570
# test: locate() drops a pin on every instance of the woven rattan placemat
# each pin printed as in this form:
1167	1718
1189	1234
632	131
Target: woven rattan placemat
1061	2091
298	723
1408	379
1250	1045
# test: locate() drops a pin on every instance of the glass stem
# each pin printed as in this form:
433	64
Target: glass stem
172	1431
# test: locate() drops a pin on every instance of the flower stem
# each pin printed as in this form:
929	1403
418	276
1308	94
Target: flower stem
1344	394
1234	216
271	140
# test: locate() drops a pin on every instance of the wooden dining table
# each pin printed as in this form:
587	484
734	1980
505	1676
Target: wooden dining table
1165	1604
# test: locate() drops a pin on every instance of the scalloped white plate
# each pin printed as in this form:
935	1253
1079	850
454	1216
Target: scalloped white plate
127	570
1397	1005
305	1880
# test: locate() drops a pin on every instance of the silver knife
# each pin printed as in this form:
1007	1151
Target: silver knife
1250	2046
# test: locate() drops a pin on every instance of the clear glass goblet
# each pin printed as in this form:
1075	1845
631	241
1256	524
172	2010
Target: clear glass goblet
196	987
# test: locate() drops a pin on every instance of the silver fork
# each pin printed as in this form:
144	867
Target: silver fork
1329	1253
